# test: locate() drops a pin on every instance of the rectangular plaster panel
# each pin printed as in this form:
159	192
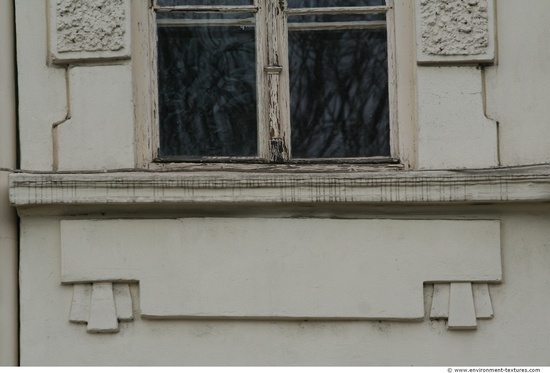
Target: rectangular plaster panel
100	132
453	131
519	87
281	268
455	31
42	94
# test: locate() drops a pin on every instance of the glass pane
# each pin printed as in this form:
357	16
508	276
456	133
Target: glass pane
327	3
207	91
337	17
339	93
203	2
205	19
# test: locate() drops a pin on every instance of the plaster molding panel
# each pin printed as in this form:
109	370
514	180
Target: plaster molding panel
89	29
100	132
101	306
277	269
523	67
455	31
42	93
453	131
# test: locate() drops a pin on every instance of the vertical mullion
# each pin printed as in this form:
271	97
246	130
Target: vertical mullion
284	87
153	40
392	77
261	76
276	75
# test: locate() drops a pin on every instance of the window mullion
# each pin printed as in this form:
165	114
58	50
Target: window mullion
276	70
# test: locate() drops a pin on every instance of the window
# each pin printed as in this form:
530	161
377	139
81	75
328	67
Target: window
273	80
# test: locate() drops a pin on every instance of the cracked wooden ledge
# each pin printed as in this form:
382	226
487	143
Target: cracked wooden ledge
393	187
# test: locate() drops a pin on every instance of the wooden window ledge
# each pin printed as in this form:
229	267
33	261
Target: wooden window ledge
500	185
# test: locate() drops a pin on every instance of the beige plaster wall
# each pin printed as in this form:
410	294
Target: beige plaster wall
517	335
518	87
68	122
8	219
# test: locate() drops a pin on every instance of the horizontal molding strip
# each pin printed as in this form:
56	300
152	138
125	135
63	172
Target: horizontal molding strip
472	186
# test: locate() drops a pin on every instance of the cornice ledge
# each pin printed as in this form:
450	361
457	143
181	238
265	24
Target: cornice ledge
522	184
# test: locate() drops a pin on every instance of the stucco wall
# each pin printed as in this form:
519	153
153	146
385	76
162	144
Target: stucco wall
87	113
517	335
8	218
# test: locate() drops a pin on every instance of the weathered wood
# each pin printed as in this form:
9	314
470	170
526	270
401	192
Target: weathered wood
276	150
284	183
205	22
392	81
207	8
338	10
276	59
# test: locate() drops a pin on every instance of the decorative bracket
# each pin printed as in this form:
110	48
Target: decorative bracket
101	305
461	303
280	269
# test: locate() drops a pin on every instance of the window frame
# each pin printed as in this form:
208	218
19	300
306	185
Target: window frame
272	79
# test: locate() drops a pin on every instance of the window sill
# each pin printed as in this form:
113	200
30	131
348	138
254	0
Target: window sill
502	185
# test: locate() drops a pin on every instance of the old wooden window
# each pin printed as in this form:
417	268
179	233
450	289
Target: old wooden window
273	80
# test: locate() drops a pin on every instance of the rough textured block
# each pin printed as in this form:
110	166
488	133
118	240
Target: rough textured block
89	29
458	31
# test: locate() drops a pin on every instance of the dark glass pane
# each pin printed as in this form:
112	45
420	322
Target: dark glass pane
203	2
207	91
208	19
338	17
327	3
339	93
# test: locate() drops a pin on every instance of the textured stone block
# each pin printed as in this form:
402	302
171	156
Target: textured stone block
89	29
455	31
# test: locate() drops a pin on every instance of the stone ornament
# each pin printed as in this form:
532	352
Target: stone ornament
461	304
89	30
455	31
101	306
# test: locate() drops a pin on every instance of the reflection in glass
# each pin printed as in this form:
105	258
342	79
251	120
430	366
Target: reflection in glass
338	17
203	2
339	93
207	91
328	3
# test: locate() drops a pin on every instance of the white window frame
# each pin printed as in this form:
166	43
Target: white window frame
272	69
401	46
